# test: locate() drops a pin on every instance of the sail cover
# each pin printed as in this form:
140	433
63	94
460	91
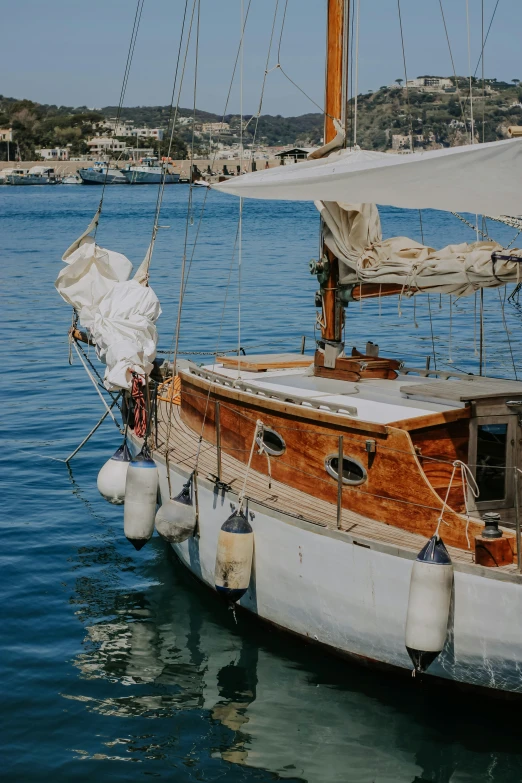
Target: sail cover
119	313
481	178
353	233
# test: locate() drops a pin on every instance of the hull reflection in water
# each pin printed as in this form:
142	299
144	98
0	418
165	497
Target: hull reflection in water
280	708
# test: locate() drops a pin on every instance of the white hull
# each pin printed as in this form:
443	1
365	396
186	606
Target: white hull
150	178
96	177
352	597
15	179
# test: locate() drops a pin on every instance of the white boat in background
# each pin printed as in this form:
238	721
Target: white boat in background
72	179
37	175
151	172
4	174
101	173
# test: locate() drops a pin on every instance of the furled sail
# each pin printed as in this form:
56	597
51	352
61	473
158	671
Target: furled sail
479	178
125	333
91	272
353	233
119	313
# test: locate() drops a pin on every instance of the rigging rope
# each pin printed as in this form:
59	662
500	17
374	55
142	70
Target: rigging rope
472	134
356	88
130	55
468	484
264	79
93	380
171	125
405	75
241	499
140	408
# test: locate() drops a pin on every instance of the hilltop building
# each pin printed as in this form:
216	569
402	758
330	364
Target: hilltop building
126	128
215	127
431	84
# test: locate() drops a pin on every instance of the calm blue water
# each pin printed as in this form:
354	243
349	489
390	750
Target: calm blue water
114	664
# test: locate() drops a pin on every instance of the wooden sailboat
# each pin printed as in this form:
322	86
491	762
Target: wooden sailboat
347	476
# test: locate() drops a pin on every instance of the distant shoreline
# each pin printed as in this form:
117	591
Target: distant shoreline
182	167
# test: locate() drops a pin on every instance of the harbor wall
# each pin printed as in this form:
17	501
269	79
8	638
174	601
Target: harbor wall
181	166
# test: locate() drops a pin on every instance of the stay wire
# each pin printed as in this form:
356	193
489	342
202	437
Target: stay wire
171	125
254	135
130	55
189	202
502	307
461	103
405	74
279	67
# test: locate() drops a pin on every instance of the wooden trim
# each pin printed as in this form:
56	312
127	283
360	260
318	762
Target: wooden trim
291	409
396	491
431	419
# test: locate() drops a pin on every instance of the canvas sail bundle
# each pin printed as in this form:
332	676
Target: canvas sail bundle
353	233
482	178
119	313
125	333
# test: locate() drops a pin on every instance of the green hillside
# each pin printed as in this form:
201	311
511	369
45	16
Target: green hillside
434	118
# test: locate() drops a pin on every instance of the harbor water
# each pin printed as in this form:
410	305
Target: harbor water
116	665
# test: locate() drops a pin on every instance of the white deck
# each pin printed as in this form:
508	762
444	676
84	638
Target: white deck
376	401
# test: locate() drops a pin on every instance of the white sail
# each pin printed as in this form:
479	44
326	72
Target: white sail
125	333
481	178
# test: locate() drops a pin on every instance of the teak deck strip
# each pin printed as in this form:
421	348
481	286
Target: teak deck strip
183	446
266	361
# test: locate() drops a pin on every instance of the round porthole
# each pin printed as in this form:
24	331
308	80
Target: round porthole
271	441
353	471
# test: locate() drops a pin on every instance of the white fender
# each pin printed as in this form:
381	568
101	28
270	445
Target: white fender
429	604
234	555
141	491
176	519
112	476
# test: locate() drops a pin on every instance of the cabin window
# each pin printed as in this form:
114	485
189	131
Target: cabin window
271	442
492	440
492	447
353	471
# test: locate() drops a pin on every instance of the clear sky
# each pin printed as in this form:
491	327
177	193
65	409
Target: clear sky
73	52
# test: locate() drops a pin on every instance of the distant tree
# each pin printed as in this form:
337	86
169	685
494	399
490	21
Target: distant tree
515	81
399	81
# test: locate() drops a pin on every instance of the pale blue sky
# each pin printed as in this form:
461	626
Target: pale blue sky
71	52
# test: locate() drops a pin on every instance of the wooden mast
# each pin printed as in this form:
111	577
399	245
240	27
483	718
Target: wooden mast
335	107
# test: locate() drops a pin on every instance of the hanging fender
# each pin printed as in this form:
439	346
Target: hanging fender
176	518
113	475
141	491
429	604
234	555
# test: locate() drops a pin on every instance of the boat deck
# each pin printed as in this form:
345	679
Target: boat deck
181	443
376	401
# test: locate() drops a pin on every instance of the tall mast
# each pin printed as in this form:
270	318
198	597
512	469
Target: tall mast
335	107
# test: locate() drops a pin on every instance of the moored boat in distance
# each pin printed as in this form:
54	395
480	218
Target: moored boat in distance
4	174
151	172
72	179
101	173
37	175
